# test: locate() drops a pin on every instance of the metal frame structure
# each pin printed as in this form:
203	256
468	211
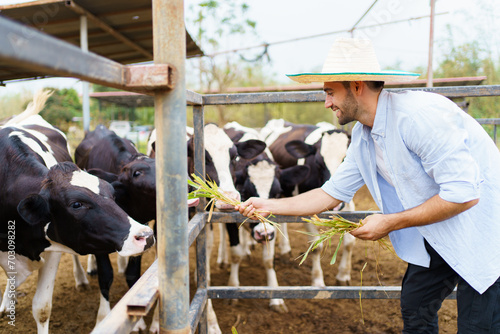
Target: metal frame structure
167	280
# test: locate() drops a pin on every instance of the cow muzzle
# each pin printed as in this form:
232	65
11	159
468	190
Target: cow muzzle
263	232
140	238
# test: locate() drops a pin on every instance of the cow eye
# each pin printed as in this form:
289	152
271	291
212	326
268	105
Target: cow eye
76	205
137	173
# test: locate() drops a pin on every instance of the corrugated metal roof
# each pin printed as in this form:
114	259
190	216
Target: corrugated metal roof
120	30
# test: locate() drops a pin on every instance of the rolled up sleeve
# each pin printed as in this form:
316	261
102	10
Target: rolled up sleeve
345	181
446	158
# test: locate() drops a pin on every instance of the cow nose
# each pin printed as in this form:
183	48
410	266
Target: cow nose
264	233
145	238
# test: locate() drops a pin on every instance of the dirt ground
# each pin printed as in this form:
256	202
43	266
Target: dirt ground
74	311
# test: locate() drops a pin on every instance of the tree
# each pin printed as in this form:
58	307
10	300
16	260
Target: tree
217	20
61	107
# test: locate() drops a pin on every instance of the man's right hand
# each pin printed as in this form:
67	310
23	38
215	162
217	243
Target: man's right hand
252	206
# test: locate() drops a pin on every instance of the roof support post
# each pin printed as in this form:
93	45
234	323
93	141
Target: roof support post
84	45
171	158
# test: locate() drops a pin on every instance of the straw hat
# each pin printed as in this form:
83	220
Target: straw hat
352	59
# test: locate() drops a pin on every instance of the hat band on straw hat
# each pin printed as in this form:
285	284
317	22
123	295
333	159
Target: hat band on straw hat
352	59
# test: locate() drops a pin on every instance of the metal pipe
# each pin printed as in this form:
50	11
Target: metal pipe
430	72
319	96
169	45
84	45
308	292
202	262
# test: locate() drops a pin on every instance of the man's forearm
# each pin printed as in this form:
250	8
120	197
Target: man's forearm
308	203
431	211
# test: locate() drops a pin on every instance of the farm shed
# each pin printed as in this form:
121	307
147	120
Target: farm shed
165	79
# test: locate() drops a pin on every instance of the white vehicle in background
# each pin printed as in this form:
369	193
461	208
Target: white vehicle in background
121	128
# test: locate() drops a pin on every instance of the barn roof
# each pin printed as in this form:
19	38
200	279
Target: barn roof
120	30
131	99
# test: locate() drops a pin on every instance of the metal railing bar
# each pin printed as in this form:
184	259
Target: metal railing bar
197	307
319	96
195	225
193	98
304	292
236	217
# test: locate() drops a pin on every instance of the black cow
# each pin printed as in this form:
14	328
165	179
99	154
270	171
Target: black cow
48	207
322	148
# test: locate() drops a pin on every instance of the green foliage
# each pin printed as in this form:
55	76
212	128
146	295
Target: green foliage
469	60
215	21
61	107
104	113
12	104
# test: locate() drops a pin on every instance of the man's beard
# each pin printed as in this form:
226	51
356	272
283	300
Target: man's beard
348	109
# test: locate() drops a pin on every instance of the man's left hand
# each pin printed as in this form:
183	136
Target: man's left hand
374	227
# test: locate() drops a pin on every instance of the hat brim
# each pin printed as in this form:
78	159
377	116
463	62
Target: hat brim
386	76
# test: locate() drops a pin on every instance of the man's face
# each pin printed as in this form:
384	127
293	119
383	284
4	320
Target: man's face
342	101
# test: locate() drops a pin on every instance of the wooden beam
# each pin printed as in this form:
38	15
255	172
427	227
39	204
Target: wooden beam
106	27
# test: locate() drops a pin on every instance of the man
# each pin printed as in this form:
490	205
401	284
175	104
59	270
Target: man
432	170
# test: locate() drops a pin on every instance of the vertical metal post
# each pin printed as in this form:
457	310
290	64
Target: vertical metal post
430	73
201	242
169	45
84	45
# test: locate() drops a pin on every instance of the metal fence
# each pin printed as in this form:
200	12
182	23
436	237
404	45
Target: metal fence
167	280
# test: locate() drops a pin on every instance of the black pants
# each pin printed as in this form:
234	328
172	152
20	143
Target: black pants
424	290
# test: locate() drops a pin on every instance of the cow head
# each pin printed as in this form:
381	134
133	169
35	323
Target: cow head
78	214
135	187
324	156
262	178
221	156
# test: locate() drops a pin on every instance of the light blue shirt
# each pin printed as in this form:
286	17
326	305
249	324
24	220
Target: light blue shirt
430	147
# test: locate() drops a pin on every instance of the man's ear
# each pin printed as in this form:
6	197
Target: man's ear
34	209
358	86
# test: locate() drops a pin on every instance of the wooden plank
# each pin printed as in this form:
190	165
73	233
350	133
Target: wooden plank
118	321
141	303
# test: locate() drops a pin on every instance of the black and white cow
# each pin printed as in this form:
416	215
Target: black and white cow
221	157
132	174
258	177
48	207
322	148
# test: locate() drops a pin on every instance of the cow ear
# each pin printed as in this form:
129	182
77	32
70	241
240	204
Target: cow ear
298	149
294	175
251	148
34	209
106	176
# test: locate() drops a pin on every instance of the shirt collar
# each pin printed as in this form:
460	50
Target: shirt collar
379	123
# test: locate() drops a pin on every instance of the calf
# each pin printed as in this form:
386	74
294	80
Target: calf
132	175
257	177
48	207
322	148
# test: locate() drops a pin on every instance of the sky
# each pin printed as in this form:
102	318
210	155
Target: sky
404	45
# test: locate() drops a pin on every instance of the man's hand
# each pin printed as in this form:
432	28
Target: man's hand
374	227
253	205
